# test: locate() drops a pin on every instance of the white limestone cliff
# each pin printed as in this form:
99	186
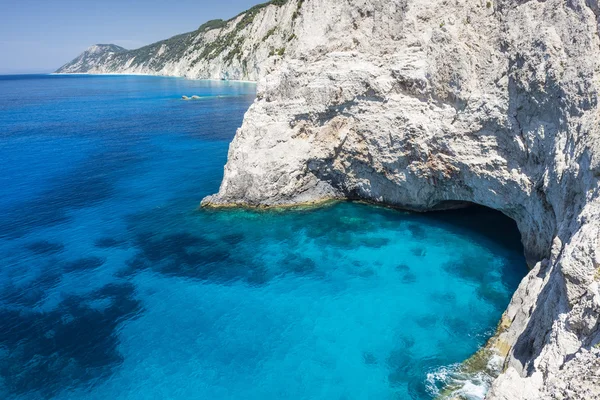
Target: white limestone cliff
423	104
237	49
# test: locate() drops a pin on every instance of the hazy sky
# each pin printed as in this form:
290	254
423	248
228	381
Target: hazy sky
42	35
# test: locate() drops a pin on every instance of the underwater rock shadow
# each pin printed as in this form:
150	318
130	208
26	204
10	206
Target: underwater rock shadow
469	267
44	247
409	371
407	277
478	271
418	251
74	344
83	264
109	242
185	255
299	264
34	291
214	259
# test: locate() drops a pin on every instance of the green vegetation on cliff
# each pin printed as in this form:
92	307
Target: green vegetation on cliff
157	55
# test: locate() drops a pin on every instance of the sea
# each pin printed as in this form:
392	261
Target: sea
114	284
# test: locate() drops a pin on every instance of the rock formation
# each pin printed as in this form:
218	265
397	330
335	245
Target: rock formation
236	49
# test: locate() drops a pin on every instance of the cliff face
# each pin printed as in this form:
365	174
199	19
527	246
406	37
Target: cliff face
417	104
98	54
236	49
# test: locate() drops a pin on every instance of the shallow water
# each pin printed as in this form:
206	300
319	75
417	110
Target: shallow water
113	285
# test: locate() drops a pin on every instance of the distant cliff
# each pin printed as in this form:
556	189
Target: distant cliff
235	49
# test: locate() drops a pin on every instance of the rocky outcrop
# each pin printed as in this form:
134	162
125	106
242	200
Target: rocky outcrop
98	54
237	49
424	104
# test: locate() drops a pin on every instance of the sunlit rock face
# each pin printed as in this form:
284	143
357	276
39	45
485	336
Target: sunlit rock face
415	104
238	49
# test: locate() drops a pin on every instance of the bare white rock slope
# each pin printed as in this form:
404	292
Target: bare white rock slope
236	49
420	104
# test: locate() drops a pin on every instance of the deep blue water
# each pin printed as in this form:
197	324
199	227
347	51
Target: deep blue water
113	285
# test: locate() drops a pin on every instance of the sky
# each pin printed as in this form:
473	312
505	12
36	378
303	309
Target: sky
39	36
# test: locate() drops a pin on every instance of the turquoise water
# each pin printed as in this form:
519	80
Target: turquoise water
113	285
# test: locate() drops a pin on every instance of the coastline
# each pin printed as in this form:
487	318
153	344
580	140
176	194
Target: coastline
145	74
